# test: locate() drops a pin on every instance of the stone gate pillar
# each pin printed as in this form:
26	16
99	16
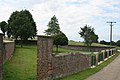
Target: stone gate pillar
44	56
1	53
97	59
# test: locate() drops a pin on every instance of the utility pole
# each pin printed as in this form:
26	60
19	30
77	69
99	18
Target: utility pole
111	24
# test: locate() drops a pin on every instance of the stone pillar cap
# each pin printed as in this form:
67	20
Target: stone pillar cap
44	36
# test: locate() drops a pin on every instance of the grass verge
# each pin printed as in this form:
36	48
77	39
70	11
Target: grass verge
88	72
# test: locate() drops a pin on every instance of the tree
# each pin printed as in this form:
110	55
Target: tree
95	38
118	43
53	27
60	39
87	33
104	42
9	31
22	25
113	43
3	26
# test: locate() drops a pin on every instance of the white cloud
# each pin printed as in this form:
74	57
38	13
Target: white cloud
5	11
70	16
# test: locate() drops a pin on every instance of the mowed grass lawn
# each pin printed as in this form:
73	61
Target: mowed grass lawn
22	66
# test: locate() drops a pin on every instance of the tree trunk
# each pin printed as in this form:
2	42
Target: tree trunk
16	38
21	42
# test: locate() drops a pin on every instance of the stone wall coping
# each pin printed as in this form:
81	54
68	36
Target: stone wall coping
107	50
69	53
93	46
44	36
102	50
1	34
84	53
6	41
95	52
113	49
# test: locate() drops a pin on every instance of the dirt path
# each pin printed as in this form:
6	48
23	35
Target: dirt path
110	72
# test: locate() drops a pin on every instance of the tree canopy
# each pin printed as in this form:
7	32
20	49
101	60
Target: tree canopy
60	39
88	34
53	26
3	26
22	25
118	43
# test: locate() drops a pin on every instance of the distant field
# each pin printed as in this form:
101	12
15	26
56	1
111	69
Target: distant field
62	50
81	43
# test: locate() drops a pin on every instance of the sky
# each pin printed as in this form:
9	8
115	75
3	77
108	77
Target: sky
71	14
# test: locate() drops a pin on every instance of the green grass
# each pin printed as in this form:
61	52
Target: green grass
63	50
88	72
81	43
22	66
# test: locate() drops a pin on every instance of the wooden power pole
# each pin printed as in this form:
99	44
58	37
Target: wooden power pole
111	24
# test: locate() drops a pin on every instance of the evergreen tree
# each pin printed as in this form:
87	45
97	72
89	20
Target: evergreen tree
53	26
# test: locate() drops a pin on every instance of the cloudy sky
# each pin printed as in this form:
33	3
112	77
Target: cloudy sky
71	14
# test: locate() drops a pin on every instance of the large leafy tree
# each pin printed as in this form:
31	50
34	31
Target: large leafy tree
88	34
3	26
22	25
60	39
53	26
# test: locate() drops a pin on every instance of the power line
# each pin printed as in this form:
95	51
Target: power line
111	24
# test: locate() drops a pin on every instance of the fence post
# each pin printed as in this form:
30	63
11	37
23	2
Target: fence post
107	53
103	55
97	58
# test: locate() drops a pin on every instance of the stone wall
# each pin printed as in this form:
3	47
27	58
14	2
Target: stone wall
9	47
1	55
50	67
6	50
89	48
70	63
